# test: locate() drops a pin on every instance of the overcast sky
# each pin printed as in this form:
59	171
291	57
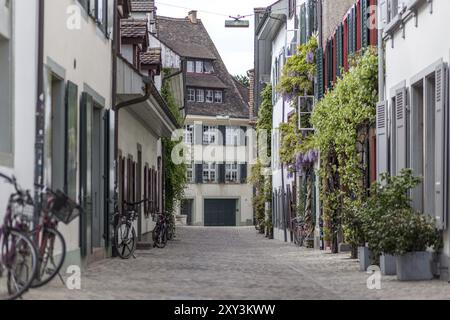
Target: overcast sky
235	45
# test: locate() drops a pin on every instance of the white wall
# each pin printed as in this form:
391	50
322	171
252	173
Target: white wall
24	35
131	133
85	55
421	47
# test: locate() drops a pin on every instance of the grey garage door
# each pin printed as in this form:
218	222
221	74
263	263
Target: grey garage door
220	213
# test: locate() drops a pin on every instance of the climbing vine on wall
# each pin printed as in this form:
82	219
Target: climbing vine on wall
342	120
175	178
261	182
298	73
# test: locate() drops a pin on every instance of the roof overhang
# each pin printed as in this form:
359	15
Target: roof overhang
153	112
274	18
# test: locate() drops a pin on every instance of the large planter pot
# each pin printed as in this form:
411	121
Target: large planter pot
388	265
365	258
415	266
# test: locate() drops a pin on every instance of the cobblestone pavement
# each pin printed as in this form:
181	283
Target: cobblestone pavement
234	263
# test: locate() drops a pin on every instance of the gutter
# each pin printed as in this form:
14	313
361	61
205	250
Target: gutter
40	113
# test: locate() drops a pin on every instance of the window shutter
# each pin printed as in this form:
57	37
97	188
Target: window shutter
243	172
199	173
198	134
358	24
382	141
222	135
71	138
364	26
401	130
441	149
339	50
221	166
319	94
345	44
303	34
242	136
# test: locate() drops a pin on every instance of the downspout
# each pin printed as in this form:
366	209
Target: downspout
40	114
381	84
283	189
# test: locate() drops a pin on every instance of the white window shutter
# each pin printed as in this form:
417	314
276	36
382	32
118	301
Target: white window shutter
401	116
441	150
382	141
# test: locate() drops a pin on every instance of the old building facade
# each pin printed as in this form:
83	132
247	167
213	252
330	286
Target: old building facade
217	118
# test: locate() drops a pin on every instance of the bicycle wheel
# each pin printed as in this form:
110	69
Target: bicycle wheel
18	266
125	239
52	253
160	236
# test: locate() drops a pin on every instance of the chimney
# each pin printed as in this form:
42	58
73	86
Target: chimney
192	15
251	102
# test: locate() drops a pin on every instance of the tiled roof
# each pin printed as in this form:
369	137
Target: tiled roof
132	28
204	81
142	5
245	92
152	56
191	40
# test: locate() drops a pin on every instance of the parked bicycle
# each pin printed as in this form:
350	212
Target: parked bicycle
161	231
300	231
125	239
18	256
58	207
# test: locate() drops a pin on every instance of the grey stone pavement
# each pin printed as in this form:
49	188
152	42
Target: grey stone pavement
236	264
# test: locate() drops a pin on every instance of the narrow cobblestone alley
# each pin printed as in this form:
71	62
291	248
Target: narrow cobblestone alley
234	263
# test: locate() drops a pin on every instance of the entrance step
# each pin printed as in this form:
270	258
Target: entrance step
98	254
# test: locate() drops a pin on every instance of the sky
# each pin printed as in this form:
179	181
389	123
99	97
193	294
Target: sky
235	45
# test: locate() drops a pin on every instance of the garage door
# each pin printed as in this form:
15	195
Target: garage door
220	213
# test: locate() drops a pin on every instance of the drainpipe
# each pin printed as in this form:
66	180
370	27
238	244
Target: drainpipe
40	114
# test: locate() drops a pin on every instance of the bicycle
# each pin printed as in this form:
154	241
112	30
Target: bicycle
49	241
125	239
299	231
160	232
19	257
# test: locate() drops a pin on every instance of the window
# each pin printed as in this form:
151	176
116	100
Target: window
209	172
188	134
218	97
6	110
199	66
209	134
232	136
208	67
231	172
200	95
191	95
190	66
190	172
305	109
209	96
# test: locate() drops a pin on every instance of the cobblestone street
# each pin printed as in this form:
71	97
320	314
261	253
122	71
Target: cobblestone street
234	263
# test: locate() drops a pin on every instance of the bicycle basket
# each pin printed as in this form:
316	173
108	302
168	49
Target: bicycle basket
65	209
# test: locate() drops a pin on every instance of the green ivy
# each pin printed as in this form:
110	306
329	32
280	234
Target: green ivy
342	120
262	183
175	178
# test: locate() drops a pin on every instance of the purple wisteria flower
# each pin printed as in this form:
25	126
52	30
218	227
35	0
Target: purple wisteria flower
310	57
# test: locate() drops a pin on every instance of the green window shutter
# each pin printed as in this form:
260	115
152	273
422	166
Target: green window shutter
243	172
71	139
320	79
339	50
311	16
303	24
364	27
199	173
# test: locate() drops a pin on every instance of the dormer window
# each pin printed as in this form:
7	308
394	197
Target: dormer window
200	66
204	95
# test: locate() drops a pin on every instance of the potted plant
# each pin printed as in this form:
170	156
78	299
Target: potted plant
388	196
408	235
